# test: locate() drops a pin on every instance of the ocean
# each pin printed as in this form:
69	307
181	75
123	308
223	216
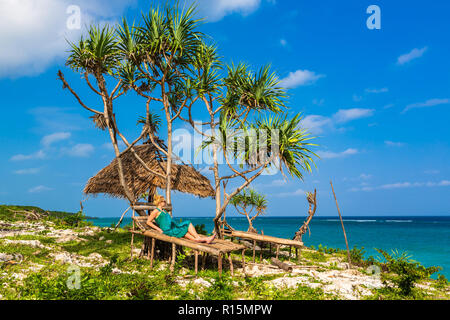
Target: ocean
426	239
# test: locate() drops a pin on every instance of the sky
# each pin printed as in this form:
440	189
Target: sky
377	99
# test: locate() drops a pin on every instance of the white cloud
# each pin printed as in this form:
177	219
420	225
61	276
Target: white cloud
364	176
298	192
215	10
428	103
332	155
278	183
345	115
413	54
81	150
315	123
37	155
405	185
283	42
35	32
48	140
300	78
38	189
382	90
394	144
432	171
28	171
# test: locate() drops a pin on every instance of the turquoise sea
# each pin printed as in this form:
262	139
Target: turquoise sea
426	239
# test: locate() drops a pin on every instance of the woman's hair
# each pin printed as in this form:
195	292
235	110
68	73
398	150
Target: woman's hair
158	200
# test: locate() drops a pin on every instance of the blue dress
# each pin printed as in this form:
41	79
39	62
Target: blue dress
171	228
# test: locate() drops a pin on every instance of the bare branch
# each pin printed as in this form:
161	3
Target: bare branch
66	85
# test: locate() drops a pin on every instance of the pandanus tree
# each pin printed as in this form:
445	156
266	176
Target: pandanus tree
97	57
251	204
236	100
158	53
167	61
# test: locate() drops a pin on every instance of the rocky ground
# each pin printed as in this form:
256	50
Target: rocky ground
42	243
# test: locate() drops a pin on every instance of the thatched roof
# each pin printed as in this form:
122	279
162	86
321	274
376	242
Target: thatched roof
184	178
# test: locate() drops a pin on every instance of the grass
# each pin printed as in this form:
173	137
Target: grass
136	280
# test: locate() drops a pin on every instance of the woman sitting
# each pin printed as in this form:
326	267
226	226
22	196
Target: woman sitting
166	225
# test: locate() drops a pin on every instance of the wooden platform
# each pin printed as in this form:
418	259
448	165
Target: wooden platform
264	238
218	247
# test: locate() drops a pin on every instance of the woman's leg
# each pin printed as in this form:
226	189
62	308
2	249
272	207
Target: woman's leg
193	235
193	232
193	238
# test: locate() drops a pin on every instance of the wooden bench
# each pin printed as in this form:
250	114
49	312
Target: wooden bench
264	238
217	248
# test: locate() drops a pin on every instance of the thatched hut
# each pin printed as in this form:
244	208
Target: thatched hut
184	178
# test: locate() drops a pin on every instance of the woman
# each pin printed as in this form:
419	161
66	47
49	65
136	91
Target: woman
166	225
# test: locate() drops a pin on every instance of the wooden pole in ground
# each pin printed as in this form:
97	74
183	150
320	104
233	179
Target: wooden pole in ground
196	262
132	240
152	254
243	261
172	262
203	260
254	249
219	264
342	223
278	249
230	260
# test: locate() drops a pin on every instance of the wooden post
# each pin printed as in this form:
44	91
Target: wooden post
260	248
243	261
342	223
132	240
299	254
152	254
290	248
196	262
203	260
278	249
230	260
254	248
172	262
219	264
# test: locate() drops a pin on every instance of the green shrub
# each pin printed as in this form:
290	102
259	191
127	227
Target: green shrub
357	255
441	282
75	220
404	272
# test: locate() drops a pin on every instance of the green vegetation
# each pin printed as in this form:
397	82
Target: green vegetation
41	269
404	273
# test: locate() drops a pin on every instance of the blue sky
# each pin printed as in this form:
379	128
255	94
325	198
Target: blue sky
378	101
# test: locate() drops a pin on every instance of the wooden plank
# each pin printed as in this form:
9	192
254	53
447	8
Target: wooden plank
180	242
265	238
152	254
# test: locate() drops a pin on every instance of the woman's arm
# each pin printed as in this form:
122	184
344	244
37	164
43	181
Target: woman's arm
150	219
